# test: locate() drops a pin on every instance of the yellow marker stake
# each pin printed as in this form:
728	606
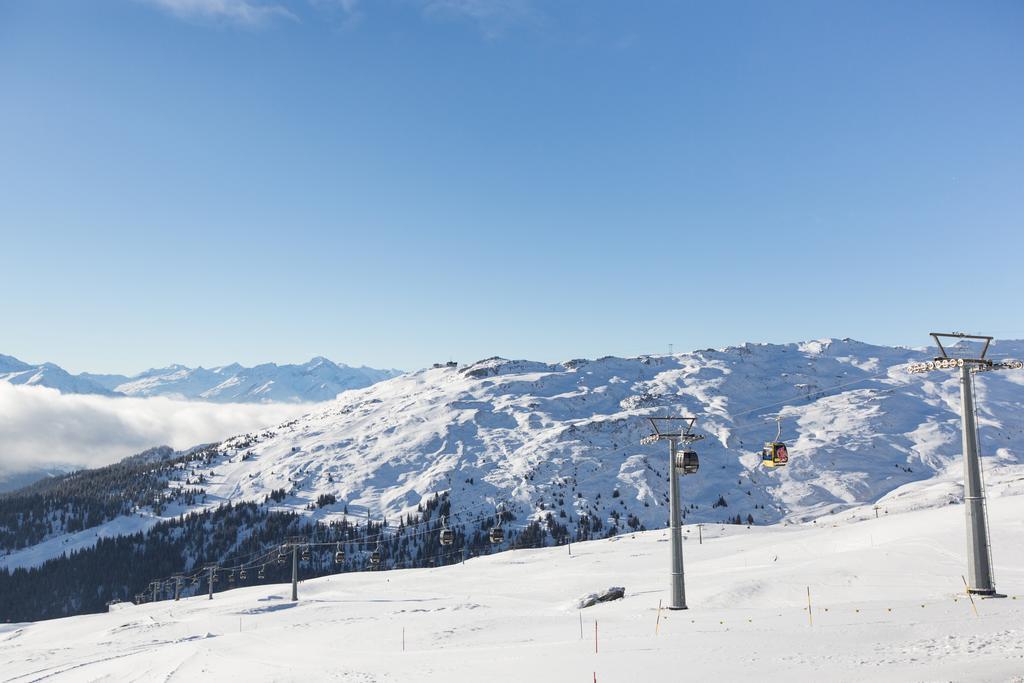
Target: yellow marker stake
971	597
810	617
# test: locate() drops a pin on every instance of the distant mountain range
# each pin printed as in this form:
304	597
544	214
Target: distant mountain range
552	452
20	477
319	379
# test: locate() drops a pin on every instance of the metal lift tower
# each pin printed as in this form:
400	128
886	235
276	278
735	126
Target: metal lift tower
979	549
674	430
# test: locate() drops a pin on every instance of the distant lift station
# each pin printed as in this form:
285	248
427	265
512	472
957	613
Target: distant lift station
979	549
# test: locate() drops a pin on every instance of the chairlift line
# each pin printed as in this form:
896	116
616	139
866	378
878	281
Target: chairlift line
277	553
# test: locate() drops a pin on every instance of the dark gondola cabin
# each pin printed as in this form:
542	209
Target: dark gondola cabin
497	535
447	537
375	559
687	462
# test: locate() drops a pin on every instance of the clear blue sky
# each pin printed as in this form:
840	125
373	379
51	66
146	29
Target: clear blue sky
397	182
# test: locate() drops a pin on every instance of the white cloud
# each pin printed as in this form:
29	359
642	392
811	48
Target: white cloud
40	426
245	12
492	16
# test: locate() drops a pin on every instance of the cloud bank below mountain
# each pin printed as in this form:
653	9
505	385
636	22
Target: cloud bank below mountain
40	427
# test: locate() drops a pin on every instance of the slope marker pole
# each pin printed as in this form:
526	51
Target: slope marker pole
967	590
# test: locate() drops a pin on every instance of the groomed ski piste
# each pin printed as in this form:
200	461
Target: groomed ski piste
887	603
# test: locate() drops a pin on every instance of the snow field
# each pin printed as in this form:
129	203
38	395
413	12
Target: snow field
511	616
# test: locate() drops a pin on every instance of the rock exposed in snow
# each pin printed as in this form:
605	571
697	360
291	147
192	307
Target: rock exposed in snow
591	599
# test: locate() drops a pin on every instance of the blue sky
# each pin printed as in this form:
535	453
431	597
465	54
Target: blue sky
398	182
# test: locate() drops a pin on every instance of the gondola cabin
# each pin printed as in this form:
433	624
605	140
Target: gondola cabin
497	535
375	559
339	556
687	462
447	537
775	454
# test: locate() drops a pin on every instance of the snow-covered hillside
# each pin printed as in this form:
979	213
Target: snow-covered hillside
563	440
565	437
318	380
887	604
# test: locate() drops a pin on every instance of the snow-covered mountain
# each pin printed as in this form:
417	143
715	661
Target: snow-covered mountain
319	379
15	371
20	477
559	444
565	437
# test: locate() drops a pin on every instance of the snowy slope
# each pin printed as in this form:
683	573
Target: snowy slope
563	439
318	380
887	605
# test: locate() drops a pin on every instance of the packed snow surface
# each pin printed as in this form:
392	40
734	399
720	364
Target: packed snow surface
887	604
